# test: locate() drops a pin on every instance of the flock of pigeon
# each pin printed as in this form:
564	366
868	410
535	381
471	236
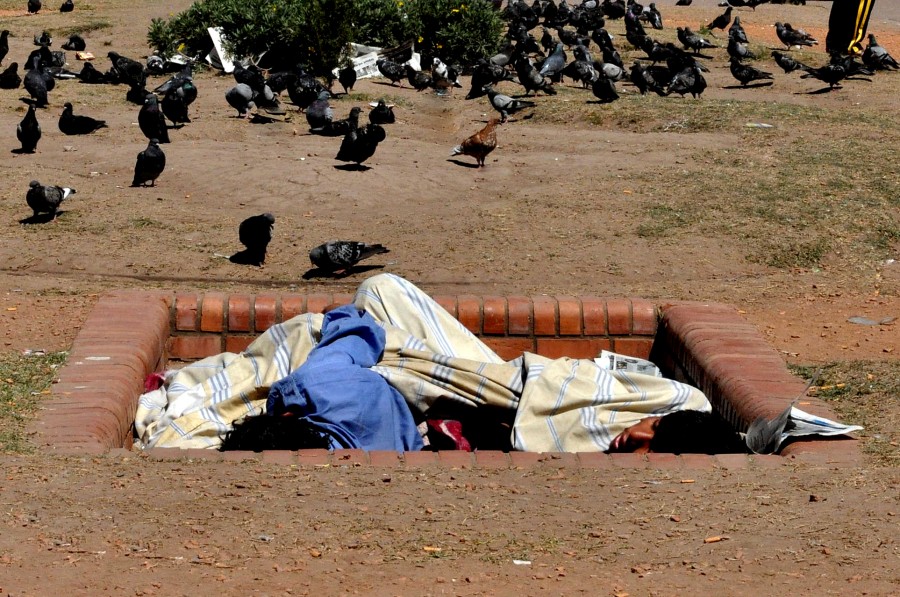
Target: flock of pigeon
537	65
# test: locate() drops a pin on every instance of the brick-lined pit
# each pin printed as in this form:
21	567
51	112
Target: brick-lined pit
129	335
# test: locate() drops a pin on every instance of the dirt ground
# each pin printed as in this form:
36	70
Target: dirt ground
555	211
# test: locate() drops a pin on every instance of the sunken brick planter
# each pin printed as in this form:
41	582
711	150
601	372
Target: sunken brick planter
131	334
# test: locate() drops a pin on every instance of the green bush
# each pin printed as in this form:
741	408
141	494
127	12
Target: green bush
457	31
383	23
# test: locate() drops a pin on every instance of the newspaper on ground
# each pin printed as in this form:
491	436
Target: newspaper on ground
766	437
614	361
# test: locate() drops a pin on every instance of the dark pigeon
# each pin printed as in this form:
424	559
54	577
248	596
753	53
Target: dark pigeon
391	70
176	101
91	75
305	90
653	16
251	76
506	105
690	80
75	43
347	78
485	73
644	81
418	80
72	124
339	256
38	82
382	114
43	39
793	37
360	144
29	131
692	41
604	90
46	199
4	44
832	74
34	6
128	71
255	233
877	58
149	165
787	63
530	78
67	6
739	51
555	62
747	74
240	97
737	32
152	121
582	71
9	78
721	21
319	113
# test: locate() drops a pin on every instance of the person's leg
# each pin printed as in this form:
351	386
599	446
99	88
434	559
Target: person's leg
847	25
862	23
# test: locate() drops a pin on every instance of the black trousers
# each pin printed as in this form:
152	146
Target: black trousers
847	25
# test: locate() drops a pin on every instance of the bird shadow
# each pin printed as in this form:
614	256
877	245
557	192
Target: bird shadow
32	102
704	56
822	90
247	257
387	84
19	150
352	167
356	269
463	164
753	86
40	218
600	101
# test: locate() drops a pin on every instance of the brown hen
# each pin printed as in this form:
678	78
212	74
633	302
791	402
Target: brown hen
480	144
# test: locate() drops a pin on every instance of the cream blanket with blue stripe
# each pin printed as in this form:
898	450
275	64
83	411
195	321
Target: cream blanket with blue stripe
562	405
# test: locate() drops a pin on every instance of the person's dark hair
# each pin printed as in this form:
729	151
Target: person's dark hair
695	432
265	432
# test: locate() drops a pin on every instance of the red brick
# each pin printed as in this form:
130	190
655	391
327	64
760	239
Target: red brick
594	460
618	316
569	316
594	313
456	459
469	313
544	315
494	309
661	461
733	461
645	317
521	319
768	460
164	454
629	460
264	313
447	302
202	454
238	343
283	457
635	347
212	313
240	456
342	298
509	348
292	305
313	457
385	458
350	457
698	461
194	347
420	459
492	459
576	348
525	459
839	450
316	303
239	313
186	312
559	459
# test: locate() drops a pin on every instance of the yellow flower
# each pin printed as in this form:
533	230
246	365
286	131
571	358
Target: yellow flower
421	39
455	10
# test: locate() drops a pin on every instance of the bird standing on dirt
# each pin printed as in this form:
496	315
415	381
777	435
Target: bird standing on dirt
46	199
359	144
75	43
737	31
151	120
43	39
67	6
877	58
347	78
721	21
530	78
29	131
382	114
338	256
746	74
739	51
34	6
787	64
128	71
653	16
38	82
690	80
692	41
9	78
555	62
91	76
418	80
72	124
391	70
506	105
319	114
793	37
480	144
240	97
604	90
149	165
255	233
4	44
643	80
832	74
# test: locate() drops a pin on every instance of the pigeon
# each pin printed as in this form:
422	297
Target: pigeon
29	131
739	51
339	256
382	114
554	63
91	75
281	80
683	2
644	81
34	6
721	21
67	6
480	144
787	63
690	80
75	43
149	165
692	41
737	32
793	37
176	101
440	71
38	82
255	233
347	78
4	44
304	91
128	71
745	74
582	71
653	16
359	145
338	128
151	120
417	79
250	75
72	124
547	41
137	95
43	39
506	105
877	58
46	199
832	74
9	78
604	90
319	114
391	70
530	78
485	73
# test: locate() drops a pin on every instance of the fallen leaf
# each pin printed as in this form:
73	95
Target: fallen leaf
687	480
432	549
315	553
715	539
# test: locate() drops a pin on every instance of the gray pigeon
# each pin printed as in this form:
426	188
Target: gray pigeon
75	43
506	105
29	131
690	80
787	63
877	58
319	113
339	256
739	50
737	31
46	199
745	74
793	37
604	90
149	165
555	62
240	97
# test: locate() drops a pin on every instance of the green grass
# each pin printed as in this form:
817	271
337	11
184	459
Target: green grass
864	393
23	384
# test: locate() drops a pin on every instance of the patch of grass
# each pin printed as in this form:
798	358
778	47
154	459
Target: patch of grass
84	28
802	254
664	220
143	222
23	382
864	393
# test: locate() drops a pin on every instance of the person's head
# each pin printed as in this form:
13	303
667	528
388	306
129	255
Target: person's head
266	432
681	432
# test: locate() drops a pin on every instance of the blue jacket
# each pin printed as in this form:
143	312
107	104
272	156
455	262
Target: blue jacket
336	391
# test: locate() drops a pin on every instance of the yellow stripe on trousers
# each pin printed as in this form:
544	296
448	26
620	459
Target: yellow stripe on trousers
865	7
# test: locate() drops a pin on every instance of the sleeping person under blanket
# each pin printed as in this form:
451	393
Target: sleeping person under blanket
369	374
